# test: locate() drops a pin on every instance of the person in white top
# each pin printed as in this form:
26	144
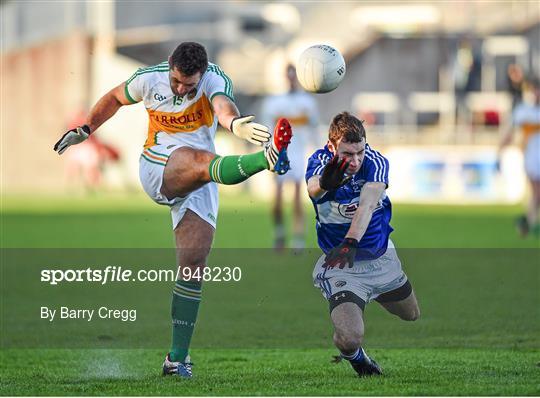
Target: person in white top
526	116
186	97
300	108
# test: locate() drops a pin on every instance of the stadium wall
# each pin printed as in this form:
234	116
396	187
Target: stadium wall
47	88
42	87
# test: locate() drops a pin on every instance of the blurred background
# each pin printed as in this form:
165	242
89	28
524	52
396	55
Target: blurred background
435	81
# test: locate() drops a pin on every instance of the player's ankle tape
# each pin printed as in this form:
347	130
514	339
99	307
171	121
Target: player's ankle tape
350	357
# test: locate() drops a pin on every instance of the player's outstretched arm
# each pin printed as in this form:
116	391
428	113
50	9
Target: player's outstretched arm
345	253
369	198
242	126
107	106
314	188
102	111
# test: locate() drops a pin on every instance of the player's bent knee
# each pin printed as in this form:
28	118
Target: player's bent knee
202	160
410	313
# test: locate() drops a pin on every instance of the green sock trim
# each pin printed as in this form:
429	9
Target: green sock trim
184	309
234	169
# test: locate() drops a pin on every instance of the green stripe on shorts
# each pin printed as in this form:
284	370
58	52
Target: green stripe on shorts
153	161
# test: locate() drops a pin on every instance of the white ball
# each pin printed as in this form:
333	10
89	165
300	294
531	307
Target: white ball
320	68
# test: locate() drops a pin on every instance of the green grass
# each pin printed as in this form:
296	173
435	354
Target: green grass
135	221
478	287
272	372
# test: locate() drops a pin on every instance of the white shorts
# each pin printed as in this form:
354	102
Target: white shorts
203	201
367	279
532	158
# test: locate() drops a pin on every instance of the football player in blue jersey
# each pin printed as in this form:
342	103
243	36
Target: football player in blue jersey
347	182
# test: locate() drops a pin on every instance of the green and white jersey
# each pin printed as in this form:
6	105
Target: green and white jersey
187	120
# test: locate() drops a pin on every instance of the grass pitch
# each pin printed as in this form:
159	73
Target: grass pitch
135	221
478	335
416	371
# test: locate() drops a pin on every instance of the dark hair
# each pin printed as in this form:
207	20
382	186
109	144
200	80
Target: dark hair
189	58
346	127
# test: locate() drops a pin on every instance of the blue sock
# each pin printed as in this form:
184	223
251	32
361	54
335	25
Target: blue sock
357	356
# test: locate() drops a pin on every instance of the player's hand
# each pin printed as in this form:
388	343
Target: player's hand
243	127
333	175
72	137
342	254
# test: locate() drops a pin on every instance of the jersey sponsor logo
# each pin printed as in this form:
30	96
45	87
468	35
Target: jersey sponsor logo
174	119
189	120
347	210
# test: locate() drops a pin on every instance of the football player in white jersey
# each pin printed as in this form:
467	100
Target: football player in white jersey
186	97
526	116
300	109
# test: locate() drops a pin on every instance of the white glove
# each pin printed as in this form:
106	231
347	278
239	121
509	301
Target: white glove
72	137
243	127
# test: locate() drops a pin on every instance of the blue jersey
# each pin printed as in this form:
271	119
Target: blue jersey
335	210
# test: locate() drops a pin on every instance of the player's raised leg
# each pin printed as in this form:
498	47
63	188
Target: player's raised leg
235	169
349	333
188	169
194	238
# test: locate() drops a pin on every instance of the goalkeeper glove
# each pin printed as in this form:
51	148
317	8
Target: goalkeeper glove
333	175
243	127
342	254
72	137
